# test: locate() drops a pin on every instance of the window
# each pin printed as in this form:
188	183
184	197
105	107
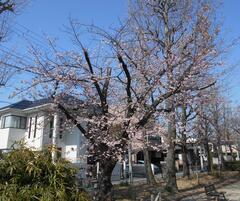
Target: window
61	128
35	126
51	127
154	138
30	127
13	121
7	122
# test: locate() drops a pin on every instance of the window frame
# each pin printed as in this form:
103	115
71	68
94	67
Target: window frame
35	126
51	127
61	122
3	122
30	128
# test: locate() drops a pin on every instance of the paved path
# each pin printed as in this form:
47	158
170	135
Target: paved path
232	193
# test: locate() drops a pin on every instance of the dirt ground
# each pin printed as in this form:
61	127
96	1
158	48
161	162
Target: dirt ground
187	187
232	193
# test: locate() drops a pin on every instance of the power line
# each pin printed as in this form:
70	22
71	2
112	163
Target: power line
15	54
35	38
30	31
34	35
21	34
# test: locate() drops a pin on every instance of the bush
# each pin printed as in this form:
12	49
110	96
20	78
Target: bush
215	167
29	175
232	165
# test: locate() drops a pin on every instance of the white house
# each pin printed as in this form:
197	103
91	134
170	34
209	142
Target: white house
34	124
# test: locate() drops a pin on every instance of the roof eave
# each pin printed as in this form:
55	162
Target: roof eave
9	110
38	108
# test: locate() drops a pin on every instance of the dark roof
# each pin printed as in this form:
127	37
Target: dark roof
25	104
40	102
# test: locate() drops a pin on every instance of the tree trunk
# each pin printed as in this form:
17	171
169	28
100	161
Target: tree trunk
232	154
186	171
104	188
171	183
209	158
150	177
220	159
230	146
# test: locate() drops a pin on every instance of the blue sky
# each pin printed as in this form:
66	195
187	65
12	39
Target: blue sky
49	16
231	30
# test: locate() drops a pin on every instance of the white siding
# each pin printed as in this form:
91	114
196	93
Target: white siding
72	143
15	135
75	147
4	134
35	141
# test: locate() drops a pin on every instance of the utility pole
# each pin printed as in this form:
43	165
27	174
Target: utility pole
201	157
54	138
98	170
130	162
124	167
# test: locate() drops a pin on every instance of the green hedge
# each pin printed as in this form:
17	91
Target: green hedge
232	165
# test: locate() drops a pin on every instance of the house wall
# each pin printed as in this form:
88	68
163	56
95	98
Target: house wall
46	140
15	135
36	141
4	134
72	143
75	145
226	149
8	136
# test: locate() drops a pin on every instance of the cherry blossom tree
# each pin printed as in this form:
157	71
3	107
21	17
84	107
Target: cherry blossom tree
204	131
178	42
162	55
214	125
185	115
165	48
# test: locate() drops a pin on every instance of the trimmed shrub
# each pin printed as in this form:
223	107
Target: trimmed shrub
29	175
232	165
